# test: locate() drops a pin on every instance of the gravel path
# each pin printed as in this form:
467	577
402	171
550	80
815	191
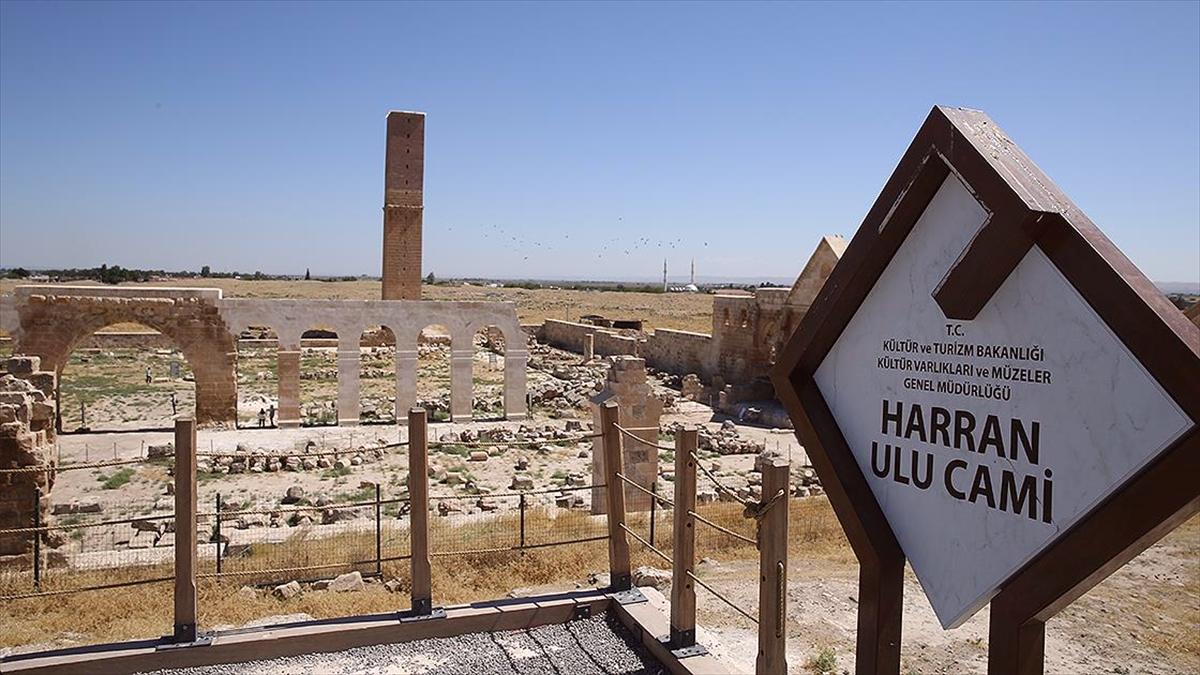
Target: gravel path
595	646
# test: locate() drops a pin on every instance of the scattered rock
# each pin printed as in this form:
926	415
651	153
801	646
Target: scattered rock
652	577
287	591
345	583
156	451
294	495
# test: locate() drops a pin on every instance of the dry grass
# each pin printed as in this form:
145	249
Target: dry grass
146	611
681	311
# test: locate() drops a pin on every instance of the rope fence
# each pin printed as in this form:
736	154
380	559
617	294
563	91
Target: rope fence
647	544
719	528
629	433
720	597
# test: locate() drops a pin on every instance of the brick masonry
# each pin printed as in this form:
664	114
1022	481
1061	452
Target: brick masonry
403	205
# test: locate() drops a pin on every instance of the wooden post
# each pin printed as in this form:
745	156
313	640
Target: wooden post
880	611
418	512
772	551
620	578
683	589
185	531
1014	646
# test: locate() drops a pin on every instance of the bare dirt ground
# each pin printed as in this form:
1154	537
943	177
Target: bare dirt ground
1143	619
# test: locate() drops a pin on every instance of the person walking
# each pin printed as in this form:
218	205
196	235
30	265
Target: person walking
262	418
271	414
149	379
174	405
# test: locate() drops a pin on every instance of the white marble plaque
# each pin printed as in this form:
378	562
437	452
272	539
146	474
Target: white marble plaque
984	440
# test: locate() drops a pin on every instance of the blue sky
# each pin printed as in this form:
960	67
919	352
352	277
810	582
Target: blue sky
250	137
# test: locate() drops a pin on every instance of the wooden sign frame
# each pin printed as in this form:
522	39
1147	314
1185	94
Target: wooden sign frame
1025	210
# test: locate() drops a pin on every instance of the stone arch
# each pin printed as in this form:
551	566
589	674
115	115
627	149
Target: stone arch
256	369
516	357
318	365
100	387
439	335
52	327
377	344
492	340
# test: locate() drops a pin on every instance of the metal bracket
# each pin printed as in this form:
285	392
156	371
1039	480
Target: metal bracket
185	636
582	612
629	597
415	615
694	649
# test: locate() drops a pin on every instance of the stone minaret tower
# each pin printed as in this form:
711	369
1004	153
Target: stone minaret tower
403	205
664	275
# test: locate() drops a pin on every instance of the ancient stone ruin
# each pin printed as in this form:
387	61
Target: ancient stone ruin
747	335
639	411
26	440
403	205
51	321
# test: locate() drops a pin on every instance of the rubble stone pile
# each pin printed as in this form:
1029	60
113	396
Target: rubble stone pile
309	458
27	415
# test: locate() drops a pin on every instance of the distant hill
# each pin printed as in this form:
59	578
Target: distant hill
1179	287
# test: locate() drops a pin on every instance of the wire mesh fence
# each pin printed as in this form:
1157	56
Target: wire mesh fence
81	552
512	521
303	541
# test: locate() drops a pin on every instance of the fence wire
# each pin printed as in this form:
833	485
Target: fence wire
304	541
513	521
83	552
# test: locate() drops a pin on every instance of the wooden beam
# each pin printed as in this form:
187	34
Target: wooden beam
185	530
310	637
418	512
683	589
614	489
772	561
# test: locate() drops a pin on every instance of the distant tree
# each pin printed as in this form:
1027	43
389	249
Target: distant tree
430	279
205	271
18	273
258	276
307	274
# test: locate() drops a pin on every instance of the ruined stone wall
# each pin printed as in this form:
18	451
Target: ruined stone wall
734	317
612	344
26	440
565	334
637	408
570	336
681	352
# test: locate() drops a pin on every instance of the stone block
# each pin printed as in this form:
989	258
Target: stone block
23	365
